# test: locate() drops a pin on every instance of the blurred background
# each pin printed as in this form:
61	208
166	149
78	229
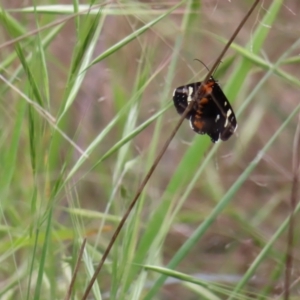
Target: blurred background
115	102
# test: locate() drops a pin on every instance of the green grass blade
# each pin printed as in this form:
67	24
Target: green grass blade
10	162
81	61
133	36
237	79
43	258
264	252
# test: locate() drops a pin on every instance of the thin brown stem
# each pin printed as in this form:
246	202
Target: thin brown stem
68	296
159	156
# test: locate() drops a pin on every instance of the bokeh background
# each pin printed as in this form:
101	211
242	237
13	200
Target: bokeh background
52	197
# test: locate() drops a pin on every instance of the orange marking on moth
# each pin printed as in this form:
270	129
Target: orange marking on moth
198	124
203	101
207	88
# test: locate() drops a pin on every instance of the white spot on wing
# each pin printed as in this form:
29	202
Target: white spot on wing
229	112
226	122
190	92
191	125
217	118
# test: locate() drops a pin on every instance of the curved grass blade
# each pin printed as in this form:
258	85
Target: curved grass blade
133	36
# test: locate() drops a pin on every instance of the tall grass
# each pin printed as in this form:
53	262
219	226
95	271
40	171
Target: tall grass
86	106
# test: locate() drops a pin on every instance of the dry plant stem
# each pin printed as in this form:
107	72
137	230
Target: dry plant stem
159	156
293	203
68	296
45	114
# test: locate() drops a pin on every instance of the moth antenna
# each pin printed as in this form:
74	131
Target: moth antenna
202	63
206	65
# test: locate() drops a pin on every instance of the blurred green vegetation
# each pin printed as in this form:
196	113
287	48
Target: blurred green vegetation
86	104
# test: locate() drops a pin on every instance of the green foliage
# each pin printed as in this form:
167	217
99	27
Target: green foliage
86	107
